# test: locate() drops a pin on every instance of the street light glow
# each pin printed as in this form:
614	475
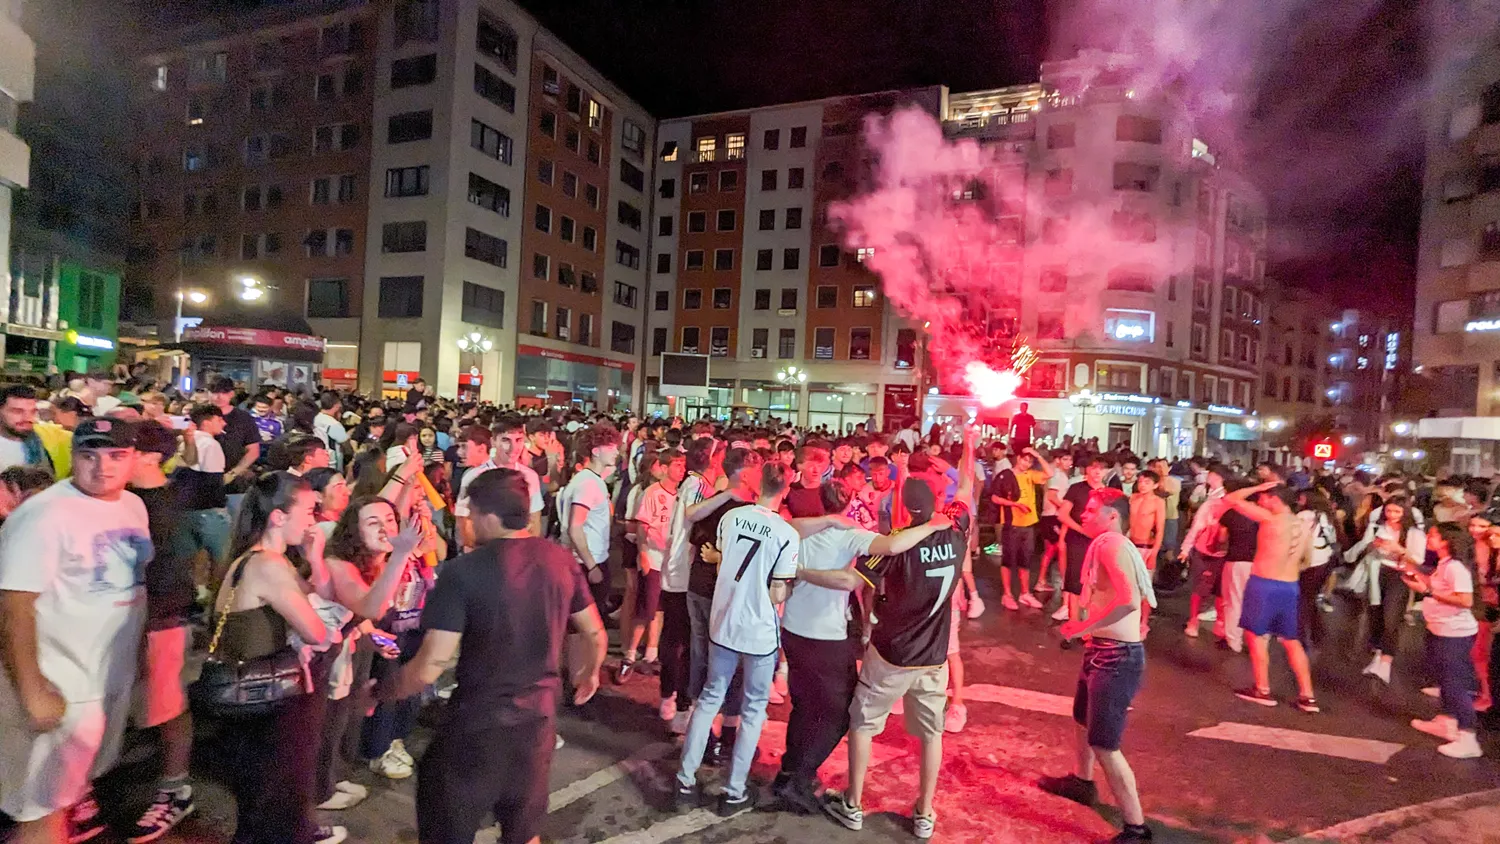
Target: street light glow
250	294
1401	428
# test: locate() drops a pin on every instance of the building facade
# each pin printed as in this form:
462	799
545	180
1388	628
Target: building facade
23	307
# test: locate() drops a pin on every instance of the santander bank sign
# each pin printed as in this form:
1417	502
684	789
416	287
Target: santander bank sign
253	337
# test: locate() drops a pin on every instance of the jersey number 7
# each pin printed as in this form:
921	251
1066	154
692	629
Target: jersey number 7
946	573
750	555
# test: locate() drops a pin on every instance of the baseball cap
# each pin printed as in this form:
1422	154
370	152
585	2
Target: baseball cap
103	433
919	499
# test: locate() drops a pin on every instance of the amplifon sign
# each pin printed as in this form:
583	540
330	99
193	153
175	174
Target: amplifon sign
1482	325
253	337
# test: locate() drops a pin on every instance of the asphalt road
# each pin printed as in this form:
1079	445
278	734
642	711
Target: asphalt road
1210	767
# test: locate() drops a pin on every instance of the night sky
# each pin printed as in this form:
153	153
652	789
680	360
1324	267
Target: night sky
1327	114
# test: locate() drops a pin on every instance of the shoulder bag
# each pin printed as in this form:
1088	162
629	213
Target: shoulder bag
234	689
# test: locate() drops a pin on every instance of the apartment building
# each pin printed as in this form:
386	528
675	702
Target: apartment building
17	78
1300	356
252	160
505	250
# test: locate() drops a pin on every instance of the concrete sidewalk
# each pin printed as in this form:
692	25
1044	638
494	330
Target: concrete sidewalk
1473	818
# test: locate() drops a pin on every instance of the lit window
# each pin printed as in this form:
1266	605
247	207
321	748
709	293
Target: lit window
864	253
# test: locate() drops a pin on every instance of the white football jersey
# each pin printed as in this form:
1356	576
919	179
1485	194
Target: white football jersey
758	546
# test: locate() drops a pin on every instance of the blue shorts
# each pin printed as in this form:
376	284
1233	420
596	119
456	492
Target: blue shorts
1270	607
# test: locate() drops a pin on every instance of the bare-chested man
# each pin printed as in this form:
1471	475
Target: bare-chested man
1148	517
1270	606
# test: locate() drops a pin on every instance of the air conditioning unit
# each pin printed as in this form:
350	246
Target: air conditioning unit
786	312
757	353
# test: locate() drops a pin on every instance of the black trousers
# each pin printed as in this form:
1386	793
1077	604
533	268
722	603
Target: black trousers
821	676
465	775
1309	619
1387	618
674	648
273	765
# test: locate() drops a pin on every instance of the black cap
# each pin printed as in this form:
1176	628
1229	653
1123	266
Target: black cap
103	433
918	499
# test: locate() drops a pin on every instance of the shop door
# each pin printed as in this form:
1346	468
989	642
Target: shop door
1120	433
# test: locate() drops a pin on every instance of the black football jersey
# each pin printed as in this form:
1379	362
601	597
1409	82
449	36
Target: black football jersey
916	613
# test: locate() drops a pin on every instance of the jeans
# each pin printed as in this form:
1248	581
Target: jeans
723	665
1450	664
1236	575
821	676
699	608
393	719
1168	540
209	530
1111	675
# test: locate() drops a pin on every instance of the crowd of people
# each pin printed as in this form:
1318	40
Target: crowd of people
340	562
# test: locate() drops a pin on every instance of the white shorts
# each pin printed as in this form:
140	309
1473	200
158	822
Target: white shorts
43	773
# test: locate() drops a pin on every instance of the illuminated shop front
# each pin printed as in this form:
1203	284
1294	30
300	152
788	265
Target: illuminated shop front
551	378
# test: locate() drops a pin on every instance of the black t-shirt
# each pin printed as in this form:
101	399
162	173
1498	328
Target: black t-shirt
1078	495
805	502
916	615
703	576
239	434
511	600
1242	530
1023	424
169	575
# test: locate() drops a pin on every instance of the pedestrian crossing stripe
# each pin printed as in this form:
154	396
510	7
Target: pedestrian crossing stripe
1342	747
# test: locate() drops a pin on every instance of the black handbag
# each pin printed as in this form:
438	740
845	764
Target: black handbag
241	689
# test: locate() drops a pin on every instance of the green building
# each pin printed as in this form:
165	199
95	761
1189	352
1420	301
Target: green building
88	314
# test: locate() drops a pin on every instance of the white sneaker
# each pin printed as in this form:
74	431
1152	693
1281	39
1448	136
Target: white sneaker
331	835
1009	603
1466	746
1373	666
668	708
558	745
1444	727
976	607
391	766
956	719
1191	630
1029	600
680	722
1382	671
398	747
1061	614
1432	691
340	801
1209	614
923	826
353	788
446	692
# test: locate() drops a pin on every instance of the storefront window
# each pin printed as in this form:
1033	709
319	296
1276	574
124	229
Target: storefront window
546	381
769	400
839	407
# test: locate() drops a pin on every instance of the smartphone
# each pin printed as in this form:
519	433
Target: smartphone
178	422
384	641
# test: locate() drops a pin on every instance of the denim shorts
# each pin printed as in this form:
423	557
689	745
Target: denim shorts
1107	683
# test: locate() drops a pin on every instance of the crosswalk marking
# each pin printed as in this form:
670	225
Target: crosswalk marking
1019	698
1343	747
578	789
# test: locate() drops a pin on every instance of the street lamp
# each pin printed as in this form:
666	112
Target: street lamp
197	297
1401	428
475	342
1083	400
252	289
1275	423
792	375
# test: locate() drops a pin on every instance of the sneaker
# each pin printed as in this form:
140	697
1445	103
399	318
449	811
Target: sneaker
1308	705
391	766
801	799
1071	787
1324	604
1029	600
1210	614
84	821
352	788
976	607
1191	630
956	719
446	692
1382	671
1466	746
1131	834
680	722
1432	691
922	826
1254	695
668	708
622	673
730	806
1444	727
331	835
398	747
1009	603
1061	614
1373	666
838	808
340	801
685	798
167	810
558	745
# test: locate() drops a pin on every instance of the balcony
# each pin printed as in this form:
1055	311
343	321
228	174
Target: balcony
15	161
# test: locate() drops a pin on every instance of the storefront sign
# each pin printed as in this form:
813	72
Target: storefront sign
574	357
403	378
32	331
1226	409
340	374
1483	325
253	337
1122	409
88	342
1131	398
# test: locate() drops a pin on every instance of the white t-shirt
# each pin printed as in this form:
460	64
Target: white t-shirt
210	453
758	547
1451	577
654	511
12	453
910	437
1059	482
85	559
587	489
679	561
815	612
461	501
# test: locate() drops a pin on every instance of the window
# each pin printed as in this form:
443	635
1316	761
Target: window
664	226
410	126
668	189
1131	280
718	341
768	180
1060	136
316	243
859	344
765	259
249	247
760	341
321	191
570	185
544	171
1049	325
1136	177
546	123
334	138
689	340
575	100
632	175
551	84
788	298
625	294
494	89
1200	340
587	282
1229	301
632	138
489	141
192	161
734	146
786	343
865	296
592	154
729	181
541	267
406	181
791	259
543	218
1058	182
795	178
195	113
343	242
328	298
723	298
763	299
483	305
1133	228
1226	344
697	221
669	151
404	237
212	67
590	238
828	296
627	255
564	324
1054	280
828	255
693	260
591	196
771	139
723	259
1171	334
347	188
538	318
1117	377
1142	130
692	299
565	229
566	275
250	198
798	137
629	215
485	247
823	343
658	341
495	40
663	262
663	301
697	182
401	297
487	194
725	222
622	337
417	70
